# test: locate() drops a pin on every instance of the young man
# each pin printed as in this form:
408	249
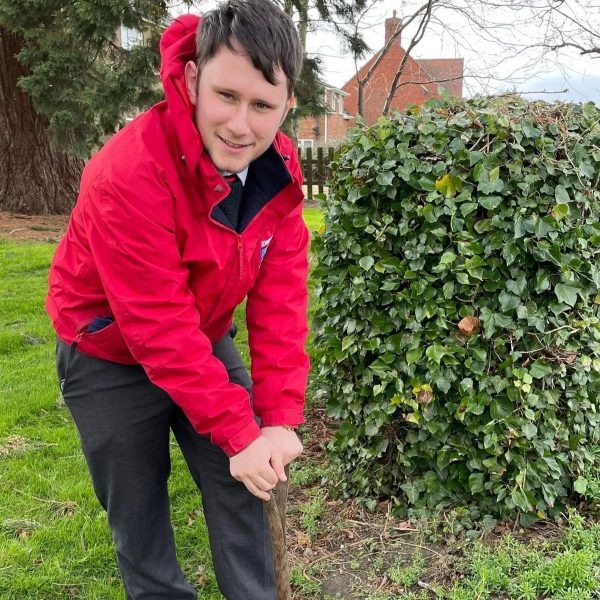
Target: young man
162	245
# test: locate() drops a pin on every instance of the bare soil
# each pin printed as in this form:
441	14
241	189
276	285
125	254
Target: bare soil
41	228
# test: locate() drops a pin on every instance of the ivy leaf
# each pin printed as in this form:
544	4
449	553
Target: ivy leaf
595	275
544	226
411	492
366	262
371	429
447	258
467	208
501	408
385	179
529	430
448	185
542	282
561	194
427	183
540	369
435	352
508	301
566	294
560	211
490	202
384	133
476	482
520	499
517	286
475	157
412	356
580	485
348	341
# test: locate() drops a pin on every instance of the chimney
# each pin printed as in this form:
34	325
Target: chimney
390	27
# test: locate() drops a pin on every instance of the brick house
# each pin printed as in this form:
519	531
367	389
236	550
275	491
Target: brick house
420	81
329	128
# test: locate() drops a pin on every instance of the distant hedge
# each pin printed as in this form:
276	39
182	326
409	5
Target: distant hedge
458	330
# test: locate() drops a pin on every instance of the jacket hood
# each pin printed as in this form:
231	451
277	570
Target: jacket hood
178	47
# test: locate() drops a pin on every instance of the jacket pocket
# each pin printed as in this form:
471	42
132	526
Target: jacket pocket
107	343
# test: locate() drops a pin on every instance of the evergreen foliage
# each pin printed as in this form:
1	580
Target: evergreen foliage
80	79
458	331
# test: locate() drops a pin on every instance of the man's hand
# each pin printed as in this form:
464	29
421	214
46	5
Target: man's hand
259	467
286	441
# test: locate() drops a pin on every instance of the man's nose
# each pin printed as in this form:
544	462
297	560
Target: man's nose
238	123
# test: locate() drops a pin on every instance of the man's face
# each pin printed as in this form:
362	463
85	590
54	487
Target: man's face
238	112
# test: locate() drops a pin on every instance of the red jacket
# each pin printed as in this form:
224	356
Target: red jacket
146	247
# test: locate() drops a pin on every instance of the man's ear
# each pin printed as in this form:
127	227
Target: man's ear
191	81
291	103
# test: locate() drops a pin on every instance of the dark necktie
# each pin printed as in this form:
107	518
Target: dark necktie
230	205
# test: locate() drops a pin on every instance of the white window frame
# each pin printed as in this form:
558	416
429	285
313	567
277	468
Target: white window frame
130	37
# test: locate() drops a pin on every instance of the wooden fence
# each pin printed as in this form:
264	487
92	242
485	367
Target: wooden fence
315	168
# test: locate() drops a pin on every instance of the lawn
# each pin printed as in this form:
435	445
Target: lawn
55	544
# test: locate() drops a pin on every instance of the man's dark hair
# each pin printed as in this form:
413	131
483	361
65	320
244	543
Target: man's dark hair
263	30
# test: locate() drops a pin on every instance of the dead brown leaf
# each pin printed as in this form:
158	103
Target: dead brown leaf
469	326
424	397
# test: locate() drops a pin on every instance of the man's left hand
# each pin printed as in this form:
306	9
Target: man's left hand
286	440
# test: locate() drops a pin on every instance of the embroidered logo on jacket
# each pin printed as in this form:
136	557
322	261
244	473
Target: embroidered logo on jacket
264	245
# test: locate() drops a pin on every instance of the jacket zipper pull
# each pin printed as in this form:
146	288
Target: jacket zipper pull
240	253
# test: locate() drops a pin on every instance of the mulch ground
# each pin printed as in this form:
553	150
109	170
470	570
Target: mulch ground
46	228
41	228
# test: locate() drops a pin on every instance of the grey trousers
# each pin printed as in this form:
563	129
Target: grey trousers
124	423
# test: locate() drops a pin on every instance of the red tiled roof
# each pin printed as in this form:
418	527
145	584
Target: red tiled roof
442	69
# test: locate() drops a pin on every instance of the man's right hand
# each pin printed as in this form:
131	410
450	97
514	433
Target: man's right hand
259	467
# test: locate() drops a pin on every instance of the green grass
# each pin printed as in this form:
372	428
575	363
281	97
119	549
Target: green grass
567	569
313	217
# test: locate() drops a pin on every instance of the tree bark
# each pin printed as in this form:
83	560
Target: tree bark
35	178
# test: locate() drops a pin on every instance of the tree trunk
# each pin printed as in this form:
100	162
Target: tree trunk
35	178
361	96
303	22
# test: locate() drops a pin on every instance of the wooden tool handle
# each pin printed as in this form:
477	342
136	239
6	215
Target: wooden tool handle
275	510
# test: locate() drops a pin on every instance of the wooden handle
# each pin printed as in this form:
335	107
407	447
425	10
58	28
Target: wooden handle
275	509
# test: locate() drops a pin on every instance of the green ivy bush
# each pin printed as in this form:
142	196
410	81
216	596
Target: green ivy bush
485	210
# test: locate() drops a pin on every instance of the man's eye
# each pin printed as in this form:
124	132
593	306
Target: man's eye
226	95
262	106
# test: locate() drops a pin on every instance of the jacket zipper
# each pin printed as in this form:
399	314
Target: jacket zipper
240	270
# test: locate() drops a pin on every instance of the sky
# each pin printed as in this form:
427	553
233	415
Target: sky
489	65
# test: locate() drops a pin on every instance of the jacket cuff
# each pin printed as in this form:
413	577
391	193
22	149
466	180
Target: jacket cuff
273	418
241	440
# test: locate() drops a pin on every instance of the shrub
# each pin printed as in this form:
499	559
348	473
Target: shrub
458	335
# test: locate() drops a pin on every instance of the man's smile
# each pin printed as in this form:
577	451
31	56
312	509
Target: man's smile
231	144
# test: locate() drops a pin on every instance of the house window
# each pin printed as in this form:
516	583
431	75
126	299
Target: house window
130	37
303	144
